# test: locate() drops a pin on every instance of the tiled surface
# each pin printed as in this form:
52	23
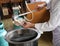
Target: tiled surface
45	39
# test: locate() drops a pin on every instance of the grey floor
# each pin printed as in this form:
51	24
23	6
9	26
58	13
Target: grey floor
45	39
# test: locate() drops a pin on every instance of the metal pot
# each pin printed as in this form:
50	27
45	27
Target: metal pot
23	37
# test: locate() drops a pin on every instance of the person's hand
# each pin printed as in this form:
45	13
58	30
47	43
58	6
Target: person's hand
16	23
28	25
24	24
19	22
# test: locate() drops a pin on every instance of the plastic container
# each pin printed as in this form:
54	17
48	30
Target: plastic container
3	32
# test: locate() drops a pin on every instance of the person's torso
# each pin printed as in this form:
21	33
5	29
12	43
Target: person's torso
55	11
55	4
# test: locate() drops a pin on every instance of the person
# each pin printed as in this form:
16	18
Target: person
53	24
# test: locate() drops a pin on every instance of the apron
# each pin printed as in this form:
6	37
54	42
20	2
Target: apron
56	36
56	32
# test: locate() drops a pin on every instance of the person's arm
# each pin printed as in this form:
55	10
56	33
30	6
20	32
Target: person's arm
52	23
